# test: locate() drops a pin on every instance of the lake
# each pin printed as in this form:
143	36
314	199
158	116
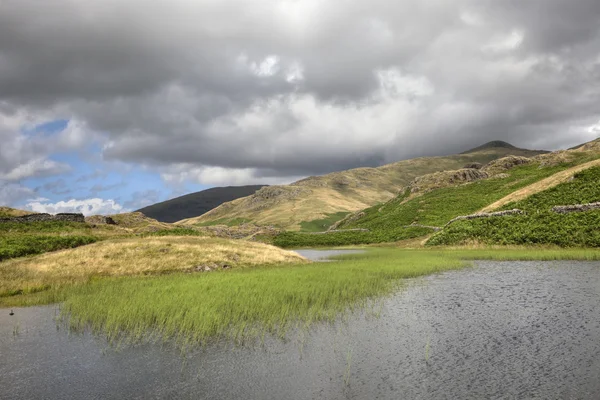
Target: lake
499	330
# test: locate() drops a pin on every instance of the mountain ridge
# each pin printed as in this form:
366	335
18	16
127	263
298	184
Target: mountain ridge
318	197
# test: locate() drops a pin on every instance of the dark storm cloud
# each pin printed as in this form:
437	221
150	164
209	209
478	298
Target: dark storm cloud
276	89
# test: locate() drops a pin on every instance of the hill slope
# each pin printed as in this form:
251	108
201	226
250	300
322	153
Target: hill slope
318	198
196	204
540	223
430	202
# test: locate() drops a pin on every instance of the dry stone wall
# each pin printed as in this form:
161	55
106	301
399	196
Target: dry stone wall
70	217
576	208
487	215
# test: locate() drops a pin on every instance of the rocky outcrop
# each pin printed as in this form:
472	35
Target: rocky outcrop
100	220
270	194
487	215
69	217
576	208
504	164
474	165
437	180
347	219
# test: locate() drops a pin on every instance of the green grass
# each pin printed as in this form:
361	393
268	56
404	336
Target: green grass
23	239
388	222
540	225
19	246
225	221
299	240
177	231
320	225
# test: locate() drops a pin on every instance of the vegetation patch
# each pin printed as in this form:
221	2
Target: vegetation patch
244	304
341	238
395	220
24	239
541	225
322	224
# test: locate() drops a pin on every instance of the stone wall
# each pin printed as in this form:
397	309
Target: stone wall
576	208
487	215
339	230
70	217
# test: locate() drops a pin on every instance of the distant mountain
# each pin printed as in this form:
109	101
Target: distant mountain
319	198
499	144
195	204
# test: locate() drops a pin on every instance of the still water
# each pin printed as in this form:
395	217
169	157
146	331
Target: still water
323	255
500	330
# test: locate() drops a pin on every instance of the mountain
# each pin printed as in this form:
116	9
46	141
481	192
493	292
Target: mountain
321	198
195	204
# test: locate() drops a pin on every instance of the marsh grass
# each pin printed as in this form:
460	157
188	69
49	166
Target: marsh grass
242	305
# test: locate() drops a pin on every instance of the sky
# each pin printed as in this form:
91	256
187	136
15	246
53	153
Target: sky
110	105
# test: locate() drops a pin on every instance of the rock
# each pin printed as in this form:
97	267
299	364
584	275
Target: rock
504	164
100	220
474	165
437	180
576	208
346	220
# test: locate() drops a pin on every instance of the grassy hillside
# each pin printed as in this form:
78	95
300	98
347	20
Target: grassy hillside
396	219
195	204
540	225
24	239
302	204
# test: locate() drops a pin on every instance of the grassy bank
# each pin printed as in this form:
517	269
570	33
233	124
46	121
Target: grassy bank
247	303
132	256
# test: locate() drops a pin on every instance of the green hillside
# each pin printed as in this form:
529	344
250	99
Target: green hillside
303	205
540	225
413	215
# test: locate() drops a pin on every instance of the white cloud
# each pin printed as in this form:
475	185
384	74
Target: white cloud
181	173
504	43
86	207
37	167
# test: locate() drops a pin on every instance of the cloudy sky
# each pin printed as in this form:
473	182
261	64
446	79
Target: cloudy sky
109	105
